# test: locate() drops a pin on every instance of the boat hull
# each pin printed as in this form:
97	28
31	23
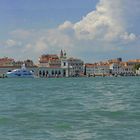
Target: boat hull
19	76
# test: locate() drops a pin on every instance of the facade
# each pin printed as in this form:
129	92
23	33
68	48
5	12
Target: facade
52	72
28	63
89	69
52	65
76	66
6	61
121	69
49	60
97	69
112	67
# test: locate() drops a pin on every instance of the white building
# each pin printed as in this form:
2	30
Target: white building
76	65
54	66
97	69
109	68
138	71
122	69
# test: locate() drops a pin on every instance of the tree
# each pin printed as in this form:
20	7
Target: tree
136	66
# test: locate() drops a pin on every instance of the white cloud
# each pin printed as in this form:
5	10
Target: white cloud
37	47
65	26
21	34
10	43
58	39
105	23
129	37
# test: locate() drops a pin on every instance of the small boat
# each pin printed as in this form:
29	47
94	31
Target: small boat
23	73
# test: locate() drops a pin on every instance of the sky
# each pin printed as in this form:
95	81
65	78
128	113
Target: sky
92	30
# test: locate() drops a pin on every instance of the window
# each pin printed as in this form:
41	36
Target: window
47	72
43	73
64	72
56	72
52	72
59	73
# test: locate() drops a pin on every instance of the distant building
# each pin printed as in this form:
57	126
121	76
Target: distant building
6	61
49	60
112	67
117	60
76	65
28	63
52	65
121	69
97	69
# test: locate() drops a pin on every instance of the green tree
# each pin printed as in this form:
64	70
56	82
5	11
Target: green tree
136	66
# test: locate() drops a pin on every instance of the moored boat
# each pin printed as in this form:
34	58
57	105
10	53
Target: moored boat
23	73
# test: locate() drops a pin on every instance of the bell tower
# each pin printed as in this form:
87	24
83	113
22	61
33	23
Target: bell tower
61	54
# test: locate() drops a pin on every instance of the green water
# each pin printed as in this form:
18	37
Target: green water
70	109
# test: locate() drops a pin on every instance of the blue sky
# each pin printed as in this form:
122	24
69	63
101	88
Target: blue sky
42	13
92	30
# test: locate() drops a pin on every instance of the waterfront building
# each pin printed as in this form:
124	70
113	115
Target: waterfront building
6	61
89	69
97	69
52	65
28	63
49	60
76	65
112	67
121	69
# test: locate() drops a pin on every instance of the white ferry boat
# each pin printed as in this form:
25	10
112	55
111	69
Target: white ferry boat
23	73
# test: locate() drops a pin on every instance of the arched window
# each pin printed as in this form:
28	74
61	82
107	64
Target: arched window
64	63
47	73
59	73
56	72
43	73
64	73
40	73
52	72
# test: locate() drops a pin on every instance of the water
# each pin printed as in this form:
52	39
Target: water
70	109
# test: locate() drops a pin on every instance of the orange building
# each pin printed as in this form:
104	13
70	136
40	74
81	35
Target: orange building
6	61
49	60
